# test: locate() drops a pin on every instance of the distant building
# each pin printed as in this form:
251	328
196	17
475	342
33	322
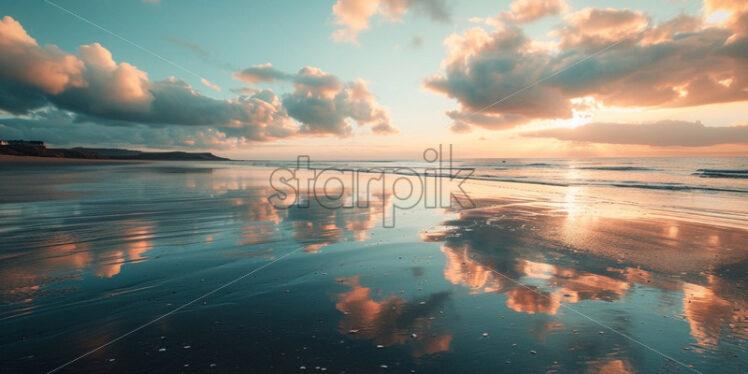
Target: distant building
23	143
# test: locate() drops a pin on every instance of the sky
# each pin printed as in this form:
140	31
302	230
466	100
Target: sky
379	79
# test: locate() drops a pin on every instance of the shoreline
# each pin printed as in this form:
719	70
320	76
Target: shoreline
11	159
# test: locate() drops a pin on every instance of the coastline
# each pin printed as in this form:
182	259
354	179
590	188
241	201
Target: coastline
10	159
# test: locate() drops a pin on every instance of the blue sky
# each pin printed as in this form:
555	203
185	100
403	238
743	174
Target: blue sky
215	39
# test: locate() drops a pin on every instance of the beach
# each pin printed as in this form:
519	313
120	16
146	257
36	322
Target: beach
10	161
609	266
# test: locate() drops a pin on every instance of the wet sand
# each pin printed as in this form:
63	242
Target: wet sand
8	160
533	279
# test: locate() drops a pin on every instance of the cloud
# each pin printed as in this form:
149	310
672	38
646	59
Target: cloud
201	52
206	82
463	121
94	91
63	128
354	15
46	68
678	63
322	102
260	73
524	11
663	134
731	13
194	47
592	28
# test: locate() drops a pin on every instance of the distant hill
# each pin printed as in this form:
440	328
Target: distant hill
109	152
127	154
37	148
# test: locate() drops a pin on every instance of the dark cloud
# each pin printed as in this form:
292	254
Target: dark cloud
66	129
679	63
260	73
663	133
20	98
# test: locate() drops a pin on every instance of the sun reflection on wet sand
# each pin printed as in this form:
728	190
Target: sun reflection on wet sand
523	243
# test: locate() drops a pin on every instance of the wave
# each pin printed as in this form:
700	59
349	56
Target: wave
601	168
510	165
733	171
625	184
649	186
617	168
722	173
676	187
395	168
541	165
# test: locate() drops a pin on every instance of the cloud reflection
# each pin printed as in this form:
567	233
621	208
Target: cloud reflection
531	245
66	255
391	321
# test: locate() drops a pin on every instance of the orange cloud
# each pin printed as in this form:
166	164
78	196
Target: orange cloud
47	68
595	28
391	321
354	15
91	93
511	79
523	11
663	133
